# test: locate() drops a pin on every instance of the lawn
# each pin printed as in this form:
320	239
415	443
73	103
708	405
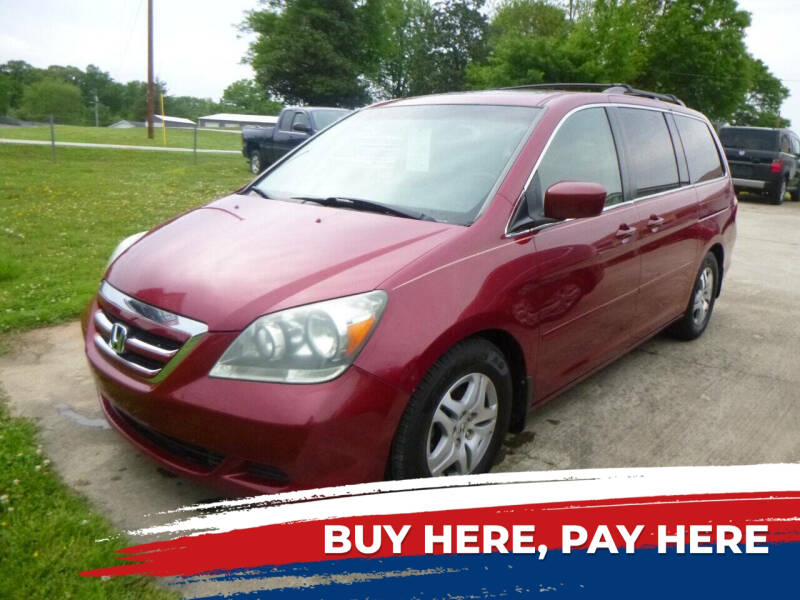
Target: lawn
60	221
176	138
48	533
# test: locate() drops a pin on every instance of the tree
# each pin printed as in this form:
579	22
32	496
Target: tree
19	75
761	106
245	96
312	51
611	39
403	48
527	45
5	93
457	38
51	97
696	50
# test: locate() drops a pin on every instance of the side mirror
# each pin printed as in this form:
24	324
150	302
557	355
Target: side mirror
301	127
574	200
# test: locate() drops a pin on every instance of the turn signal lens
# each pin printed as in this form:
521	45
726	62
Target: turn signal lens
357	333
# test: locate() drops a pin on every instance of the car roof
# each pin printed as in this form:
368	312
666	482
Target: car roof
539	98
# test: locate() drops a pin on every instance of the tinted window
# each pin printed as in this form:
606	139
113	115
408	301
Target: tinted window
701	151
286	120
582	150
652	156
749	139
300	119
440	160
784	144
324	118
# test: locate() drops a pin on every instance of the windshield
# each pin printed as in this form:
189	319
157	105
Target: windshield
324	118
750	139
438	160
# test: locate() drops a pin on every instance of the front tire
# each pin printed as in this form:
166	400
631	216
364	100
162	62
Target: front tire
458	415
701	304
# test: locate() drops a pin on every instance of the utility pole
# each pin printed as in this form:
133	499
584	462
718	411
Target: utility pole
150	95
96	117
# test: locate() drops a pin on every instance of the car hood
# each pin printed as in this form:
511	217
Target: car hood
243	256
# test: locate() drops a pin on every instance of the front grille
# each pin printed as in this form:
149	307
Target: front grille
142	351
188	453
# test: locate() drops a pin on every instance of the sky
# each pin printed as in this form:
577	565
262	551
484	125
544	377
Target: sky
196	45
198	49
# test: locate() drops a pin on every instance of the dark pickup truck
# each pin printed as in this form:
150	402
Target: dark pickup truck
264	145
763	160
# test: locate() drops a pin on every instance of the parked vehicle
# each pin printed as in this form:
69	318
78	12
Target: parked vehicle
262	146
395	296
763	160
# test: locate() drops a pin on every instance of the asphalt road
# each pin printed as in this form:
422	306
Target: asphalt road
731	397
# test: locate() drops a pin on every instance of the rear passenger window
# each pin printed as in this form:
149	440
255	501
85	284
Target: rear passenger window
582	150
652	156
701	151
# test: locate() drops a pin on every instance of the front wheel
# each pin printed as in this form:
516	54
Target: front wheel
457	417
255	163
701	304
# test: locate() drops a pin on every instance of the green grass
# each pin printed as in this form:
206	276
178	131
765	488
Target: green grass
48	533
176	138
60	221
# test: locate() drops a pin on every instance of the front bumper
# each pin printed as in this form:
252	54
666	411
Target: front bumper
246	437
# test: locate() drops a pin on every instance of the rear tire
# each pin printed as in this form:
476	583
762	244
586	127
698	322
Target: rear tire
701	303
795	193
458	415
778	192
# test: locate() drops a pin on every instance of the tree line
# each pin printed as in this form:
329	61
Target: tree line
351	52
71	96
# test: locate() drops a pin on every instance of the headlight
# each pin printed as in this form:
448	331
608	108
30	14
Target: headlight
124	245
308	344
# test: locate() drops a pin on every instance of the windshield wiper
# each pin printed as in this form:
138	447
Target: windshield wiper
259	192
366	205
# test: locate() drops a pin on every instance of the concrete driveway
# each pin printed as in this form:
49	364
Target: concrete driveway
729	398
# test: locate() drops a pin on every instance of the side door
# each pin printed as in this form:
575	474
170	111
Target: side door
281	134
588	269
300	129
667	205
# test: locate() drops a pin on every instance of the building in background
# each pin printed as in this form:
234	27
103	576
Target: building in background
170	122
230	121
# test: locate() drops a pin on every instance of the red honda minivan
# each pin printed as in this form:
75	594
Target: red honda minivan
393	296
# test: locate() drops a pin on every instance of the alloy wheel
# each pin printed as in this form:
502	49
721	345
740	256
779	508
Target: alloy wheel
462	426
703	296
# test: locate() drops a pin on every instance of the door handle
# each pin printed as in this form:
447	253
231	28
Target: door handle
655	222
625	232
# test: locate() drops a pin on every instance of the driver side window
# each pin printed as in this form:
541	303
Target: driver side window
300	118
583	149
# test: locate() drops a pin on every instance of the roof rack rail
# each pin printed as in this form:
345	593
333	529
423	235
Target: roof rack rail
608	88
